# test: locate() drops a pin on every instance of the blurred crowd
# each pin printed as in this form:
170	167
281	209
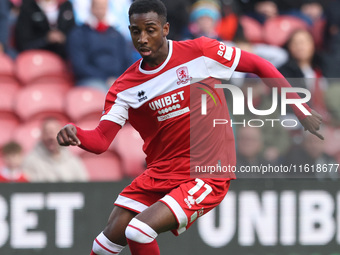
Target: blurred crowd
91	37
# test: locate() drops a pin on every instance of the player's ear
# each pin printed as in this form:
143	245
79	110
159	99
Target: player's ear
166	29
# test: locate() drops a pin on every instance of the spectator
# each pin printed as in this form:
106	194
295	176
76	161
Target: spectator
5	29
275	138
264	10
117	18
204	17
312	12
274	54
249	147
331	59
178	16
44	24
229	27
311	155
303	64
4	26
13	157
98	53
48	162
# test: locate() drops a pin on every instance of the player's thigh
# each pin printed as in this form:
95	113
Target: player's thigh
117	223
159	217
184	204
180	208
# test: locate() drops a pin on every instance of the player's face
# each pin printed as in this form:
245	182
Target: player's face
149	36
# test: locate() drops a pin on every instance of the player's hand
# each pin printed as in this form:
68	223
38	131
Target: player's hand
68	136
312	123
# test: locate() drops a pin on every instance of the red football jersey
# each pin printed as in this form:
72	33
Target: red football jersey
158	105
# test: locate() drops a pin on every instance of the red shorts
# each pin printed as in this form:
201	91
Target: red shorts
187	199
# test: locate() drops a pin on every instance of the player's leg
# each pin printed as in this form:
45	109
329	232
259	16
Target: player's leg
136	197
176	211
112	240
144	228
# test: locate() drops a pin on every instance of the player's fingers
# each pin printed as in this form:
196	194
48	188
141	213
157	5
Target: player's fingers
72	137
315	113
318	135
62	138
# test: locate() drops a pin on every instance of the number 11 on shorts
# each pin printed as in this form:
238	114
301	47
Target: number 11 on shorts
197	187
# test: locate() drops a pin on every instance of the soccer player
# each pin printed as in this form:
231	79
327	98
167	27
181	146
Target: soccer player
154	95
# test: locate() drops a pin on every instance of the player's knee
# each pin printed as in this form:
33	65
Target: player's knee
103	246
140	232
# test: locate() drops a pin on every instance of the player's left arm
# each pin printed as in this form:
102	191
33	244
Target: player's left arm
252	63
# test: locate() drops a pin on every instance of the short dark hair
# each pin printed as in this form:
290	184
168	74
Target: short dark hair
145	6
11	147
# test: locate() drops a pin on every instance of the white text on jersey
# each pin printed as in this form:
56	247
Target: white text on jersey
167	100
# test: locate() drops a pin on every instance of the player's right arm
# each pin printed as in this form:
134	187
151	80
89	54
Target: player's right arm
99	139
96	141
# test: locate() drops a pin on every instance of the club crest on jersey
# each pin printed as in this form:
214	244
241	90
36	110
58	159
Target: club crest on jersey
183	75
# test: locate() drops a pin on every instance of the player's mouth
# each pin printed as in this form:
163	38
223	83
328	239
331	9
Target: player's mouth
144	52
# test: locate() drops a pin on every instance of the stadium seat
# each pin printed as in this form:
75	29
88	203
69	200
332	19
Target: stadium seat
88	124
61	86
83	103
252	29
39	102
103	167
8	91
34	65
28	134
277	30
7	66
8	123
129	146
8	119
7	70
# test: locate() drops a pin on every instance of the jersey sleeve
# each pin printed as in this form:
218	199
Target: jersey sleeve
252	63
221	60
115	109
99	139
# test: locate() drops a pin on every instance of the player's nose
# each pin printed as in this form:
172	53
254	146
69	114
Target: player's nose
143	38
